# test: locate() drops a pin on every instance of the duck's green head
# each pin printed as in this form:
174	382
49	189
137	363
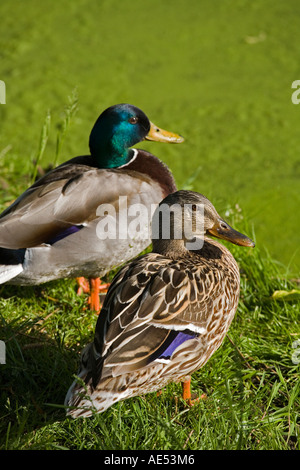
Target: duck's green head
120	127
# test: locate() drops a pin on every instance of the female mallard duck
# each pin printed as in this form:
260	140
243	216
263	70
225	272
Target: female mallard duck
51	231
166	312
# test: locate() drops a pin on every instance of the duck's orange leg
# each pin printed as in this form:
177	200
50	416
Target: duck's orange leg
187	395
186	391
94	299
94	286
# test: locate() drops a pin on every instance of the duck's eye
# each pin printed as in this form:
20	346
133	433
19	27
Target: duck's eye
133	120
194	207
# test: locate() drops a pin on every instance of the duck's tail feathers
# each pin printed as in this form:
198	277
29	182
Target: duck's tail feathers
11	263
77	401
8	272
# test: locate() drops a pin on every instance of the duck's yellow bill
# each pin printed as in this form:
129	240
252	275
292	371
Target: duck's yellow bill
160	135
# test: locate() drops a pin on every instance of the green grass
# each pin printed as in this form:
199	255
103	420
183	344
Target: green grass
222	78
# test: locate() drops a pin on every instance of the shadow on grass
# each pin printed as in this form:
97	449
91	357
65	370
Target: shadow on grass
44	333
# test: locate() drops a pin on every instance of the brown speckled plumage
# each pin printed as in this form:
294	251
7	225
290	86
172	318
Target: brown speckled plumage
149	302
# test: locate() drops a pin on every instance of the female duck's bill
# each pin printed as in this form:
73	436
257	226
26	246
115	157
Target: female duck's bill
223	230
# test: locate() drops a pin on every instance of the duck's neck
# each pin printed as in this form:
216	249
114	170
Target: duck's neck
172	249
110	148
112	156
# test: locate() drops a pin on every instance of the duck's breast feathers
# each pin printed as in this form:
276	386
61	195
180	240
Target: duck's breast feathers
146	163
151	308
71	196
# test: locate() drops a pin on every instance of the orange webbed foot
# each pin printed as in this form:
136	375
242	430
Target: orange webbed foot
83	285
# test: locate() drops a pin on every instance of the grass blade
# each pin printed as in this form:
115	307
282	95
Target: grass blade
42	145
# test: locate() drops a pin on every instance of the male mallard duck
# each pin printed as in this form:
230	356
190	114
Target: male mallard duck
52	230
166	312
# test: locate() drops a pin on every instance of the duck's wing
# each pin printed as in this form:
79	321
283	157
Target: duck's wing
152	306
68	196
